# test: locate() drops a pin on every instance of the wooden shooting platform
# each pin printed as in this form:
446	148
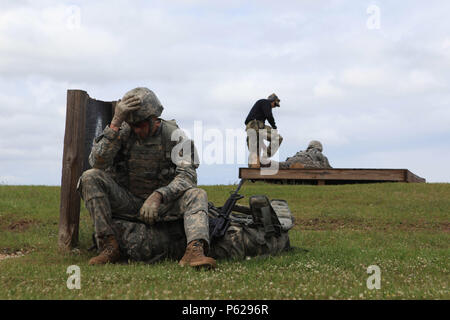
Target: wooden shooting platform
330	176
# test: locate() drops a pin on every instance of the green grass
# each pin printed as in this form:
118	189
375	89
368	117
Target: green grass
339	232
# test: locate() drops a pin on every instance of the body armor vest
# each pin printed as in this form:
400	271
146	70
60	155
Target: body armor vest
149	164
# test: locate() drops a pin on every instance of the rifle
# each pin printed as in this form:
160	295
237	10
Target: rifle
219	225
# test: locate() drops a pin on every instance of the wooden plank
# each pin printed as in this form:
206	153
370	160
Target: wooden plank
336	174
412	178
320	182
72	168
327	174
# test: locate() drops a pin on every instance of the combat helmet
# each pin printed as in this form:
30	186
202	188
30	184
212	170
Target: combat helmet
314	144
274	97
151	106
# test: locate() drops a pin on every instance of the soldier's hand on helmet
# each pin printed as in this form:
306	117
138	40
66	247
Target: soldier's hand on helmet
149	210
123	107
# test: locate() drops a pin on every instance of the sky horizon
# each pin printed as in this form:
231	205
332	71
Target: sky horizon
369	79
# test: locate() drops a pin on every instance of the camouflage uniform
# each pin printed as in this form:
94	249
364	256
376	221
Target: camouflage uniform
126	170
263	132
312	157
242	241
166	240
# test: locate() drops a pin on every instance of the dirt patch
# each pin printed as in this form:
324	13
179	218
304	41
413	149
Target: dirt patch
330	224
21	225
435	226
16	225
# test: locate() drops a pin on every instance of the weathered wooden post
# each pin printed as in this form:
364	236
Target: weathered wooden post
72	167
85	119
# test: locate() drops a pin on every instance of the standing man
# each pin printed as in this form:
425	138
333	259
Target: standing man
137	176
257	131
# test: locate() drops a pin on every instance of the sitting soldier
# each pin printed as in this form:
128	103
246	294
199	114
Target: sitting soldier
311	158
134	177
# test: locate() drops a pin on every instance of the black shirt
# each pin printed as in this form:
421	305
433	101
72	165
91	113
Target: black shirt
262	110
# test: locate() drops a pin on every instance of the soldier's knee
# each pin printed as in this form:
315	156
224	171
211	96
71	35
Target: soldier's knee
196	193
91	174
92	184
92	178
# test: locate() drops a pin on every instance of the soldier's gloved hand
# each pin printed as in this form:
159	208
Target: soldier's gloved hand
149	210
124	107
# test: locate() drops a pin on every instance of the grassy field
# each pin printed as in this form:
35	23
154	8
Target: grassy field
340	231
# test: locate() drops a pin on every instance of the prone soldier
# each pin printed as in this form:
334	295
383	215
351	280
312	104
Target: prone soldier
312	157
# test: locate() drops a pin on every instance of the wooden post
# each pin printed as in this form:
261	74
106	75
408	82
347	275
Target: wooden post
72	168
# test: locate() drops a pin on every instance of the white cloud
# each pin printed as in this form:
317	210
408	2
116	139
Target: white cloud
356	90
422	80
368	77
38	40
327	88
446	44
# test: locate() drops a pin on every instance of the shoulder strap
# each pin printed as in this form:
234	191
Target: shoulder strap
263	214
168	127
283	213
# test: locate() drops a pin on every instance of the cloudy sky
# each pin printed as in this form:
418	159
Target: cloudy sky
369	79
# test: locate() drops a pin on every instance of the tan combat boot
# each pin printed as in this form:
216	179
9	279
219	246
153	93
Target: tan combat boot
195	257
110	253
